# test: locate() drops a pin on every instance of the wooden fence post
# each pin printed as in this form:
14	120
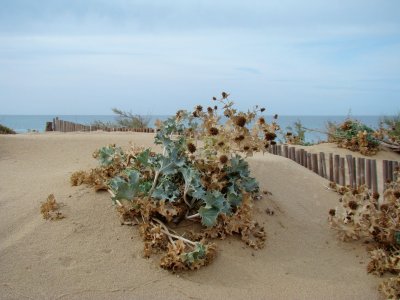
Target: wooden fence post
309	161
385	173
315	162
285	151
331	177
336	168
342	173
305	160
362	170
368	173
390	171
349	159
374	176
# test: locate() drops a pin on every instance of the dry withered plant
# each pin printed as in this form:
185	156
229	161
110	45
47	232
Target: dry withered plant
355	136
198	189
50	209
363	215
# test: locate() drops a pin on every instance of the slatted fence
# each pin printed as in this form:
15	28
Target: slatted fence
66	126
348	170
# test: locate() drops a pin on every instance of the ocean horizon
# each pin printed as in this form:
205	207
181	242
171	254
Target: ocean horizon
28	123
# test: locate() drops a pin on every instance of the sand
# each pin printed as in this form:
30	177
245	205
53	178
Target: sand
89	255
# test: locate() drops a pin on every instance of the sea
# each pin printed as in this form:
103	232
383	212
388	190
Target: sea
30	123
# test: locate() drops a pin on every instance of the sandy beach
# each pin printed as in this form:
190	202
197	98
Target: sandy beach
89	255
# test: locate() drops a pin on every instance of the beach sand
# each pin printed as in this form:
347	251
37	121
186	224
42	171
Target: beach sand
89	255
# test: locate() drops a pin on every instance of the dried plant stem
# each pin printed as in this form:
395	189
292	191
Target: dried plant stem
165	230
193	216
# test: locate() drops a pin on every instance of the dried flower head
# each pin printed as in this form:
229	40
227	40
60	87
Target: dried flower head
223	159
276	116
332	212
209	110
261	121
239	138
397	194
225	95
262	109
213	131
221	143
214	98
240	121
270	136
246	148
353	205
384	207
215	107
191	147
199	108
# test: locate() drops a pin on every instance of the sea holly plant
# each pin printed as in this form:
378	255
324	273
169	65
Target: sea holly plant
201	176
363	215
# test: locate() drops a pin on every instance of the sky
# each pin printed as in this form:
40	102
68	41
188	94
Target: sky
309	57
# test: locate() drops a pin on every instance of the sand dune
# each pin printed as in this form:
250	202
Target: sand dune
89	255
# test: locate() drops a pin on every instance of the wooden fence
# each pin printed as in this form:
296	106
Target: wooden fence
66	126
359	171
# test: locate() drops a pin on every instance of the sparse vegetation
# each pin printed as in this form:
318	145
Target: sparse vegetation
296	134
6	130
129	120
360	215
50	209
353	135
198	189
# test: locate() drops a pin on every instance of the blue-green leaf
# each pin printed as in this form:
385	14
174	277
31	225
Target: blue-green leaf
123	189
208	215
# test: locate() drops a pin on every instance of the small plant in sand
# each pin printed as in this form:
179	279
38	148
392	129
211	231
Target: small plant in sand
353	135
389	132
50	209
199	188
360	215
6	130
296	134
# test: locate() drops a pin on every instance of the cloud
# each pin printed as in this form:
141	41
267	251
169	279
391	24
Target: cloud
161	55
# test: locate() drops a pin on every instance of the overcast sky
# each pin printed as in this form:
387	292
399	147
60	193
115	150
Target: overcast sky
294	57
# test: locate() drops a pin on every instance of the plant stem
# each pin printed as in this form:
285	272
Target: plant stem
165	230
192	216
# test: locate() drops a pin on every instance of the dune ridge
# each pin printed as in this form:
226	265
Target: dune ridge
89	255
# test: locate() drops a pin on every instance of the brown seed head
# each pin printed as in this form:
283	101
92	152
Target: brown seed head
221	143
261	120
191	147
384	207
262	109
215	107
213	131
353	205
199	108
224	95
397	194
332	212
239	138
214	98
270	136
273	143
375	196
210	110
223	159
240	121
275	116
246	148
